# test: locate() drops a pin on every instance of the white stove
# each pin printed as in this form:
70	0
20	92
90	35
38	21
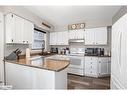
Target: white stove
77	64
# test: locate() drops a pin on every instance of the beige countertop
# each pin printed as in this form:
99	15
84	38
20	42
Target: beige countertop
48	64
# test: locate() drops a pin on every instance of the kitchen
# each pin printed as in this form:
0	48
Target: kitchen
54	53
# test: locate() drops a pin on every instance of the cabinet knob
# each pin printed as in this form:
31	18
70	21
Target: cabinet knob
23	41
27	41
12	40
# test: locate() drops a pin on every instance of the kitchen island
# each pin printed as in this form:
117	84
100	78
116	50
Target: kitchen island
37	73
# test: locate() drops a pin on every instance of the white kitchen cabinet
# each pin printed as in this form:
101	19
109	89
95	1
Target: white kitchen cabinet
65	37
29	29
101	36
97	66
119	53
25	77
17	28
71	34
96	36
59	38
53	38
91	66
104	66
76	34
89	37
10	28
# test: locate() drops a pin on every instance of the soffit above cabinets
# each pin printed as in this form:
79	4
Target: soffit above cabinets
62	16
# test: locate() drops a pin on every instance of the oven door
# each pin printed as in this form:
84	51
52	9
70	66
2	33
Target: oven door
76	62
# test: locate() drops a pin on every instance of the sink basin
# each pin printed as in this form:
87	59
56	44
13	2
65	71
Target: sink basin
36	57
37	60
58	57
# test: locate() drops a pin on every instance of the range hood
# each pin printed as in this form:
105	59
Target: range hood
76	40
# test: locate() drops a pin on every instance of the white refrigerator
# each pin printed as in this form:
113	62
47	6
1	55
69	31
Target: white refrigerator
1	46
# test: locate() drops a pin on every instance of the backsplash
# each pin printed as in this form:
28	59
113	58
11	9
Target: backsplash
11	47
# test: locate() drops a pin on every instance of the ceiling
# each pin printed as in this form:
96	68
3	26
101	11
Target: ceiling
61	16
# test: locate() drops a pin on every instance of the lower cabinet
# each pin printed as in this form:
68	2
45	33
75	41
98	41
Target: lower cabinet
97	66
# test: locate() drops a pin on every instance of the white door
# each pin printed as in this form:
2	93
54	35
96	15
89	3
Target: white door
59	38
65	37
89	37
103	66
53	38
87	67
10	28
80	33
72	34
19	25
101	36
28	32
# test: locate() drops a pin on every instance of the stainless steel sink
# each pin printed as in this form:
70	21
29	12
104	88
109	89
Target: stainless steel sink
37	60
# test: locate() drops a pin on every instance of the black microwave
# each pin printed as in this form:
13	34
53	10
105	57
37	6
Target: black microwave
94	51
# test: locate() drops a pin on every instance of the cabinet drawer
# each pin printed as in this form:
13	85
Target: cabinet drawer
75	71
91	73
91	58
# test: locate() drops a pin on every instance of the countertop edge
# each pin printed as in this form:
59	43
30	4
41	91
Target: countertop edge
38	66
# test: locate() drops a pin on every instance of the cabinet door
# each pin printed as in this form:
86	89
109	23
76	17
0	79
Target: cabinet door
19	25
10	28
80	33
89	37
65	38
59	38
87	67
29	29
100	36
103	66
53	38
72	34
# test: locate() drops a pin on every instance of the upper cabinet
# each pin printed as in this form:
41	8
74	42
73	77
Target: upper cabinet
53	38
59	38
76	34
17	28
96	36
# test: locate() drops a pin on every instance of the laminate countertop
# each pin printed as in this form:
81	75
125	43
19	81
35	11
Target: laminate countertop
42	63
